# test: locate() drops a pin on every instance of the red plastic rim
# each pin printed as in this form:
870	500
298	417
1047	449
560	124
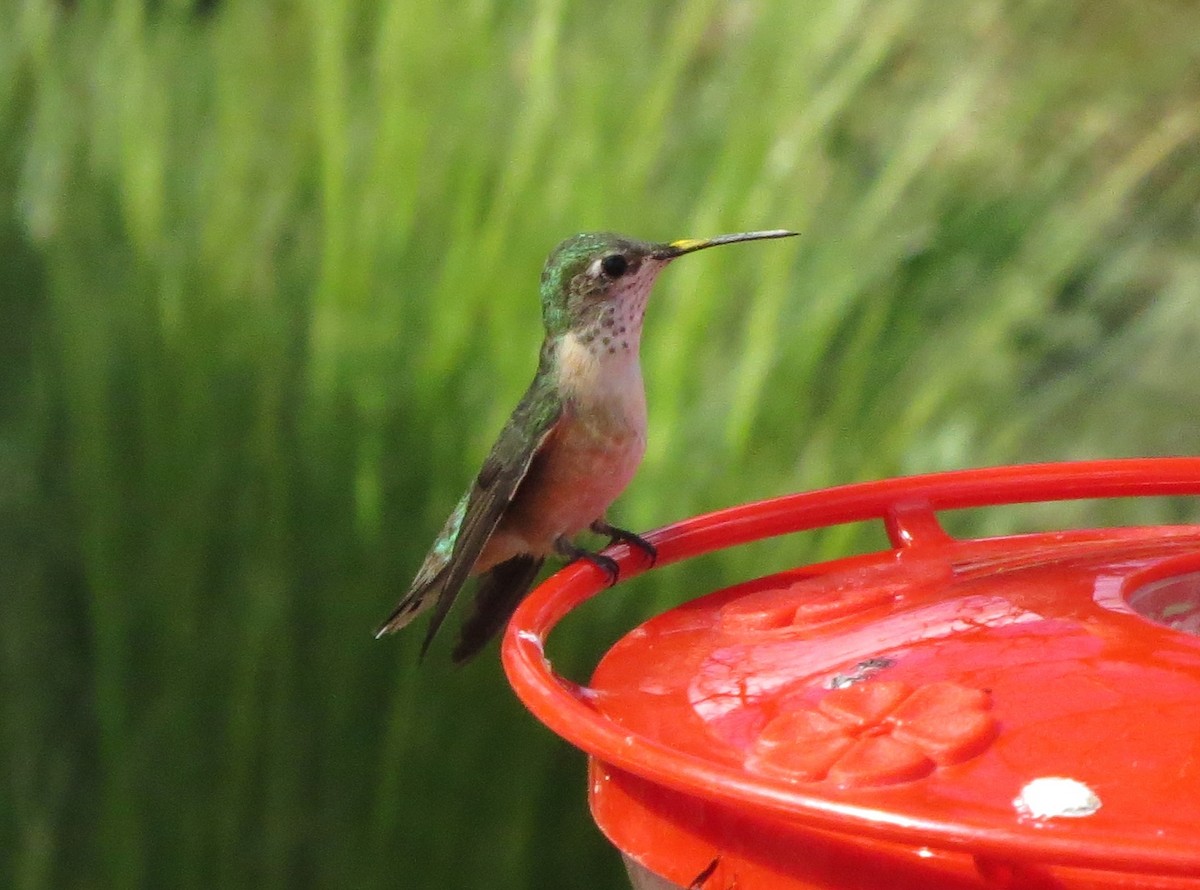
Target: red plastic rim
907	506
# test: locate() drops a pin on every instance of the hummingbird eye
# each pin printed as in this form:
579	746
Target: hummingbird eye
614	265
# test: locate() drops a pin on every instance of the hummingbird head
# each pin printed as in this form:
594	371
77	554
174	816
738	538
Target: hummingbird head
595	285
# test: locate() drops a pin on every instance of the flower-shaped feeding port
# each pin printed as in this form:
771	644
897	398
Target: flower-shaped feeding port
879	732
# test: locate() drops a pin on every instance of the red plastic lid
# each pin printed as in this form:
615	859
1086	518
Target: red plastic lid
1009	712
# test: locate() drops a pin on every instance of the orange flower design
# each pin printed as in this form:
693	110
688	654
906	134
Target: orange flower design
876	733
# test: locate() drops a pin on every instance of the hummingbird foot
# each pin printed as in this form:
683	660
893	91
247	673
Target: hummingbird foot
565	547
615	534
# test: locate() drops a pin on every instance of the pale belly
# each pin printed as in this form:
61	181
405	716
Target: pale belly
570	485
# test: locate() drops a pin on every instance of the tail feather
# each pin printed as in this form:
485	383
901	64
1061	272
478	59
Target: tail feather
500	590
417	600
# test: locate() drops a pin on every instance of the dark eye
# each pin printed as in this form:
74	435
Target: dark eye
614	265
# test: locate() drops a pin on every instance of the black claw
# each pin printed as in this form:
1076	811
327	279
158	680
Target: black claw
615	534
643	545
606	564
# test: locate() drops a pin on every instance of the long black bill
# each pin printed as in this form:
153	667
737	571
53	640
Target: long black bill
691	245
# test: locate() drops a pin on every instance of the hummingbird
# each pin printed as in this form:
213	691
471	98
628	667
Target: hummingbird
570	447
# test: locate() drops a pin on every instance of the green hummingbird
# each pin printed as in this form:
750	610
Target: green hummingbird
570	447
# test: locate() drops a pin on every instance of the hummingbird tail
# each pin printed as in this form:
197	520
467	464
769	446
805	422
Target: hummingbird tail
500	590
417	600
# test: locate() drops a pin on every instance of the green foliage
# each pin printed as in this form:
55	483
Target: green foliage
268	281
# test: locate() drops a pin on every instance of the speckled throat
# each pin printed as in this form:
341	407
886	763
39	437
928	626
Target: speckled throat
615	325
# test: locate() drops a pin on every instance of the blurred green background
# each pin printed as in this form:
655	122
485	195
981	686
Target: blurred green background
268	277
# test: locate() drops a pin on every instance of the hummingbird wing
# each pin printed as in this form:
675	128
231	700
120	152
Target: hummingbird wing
456	550
500	589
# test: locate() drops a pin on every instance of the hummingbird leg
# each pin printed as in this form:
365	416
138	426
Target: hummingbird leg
601	527
565	547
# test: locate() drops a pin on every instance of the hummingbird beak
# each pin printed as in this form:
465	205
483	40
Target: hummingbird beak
691	245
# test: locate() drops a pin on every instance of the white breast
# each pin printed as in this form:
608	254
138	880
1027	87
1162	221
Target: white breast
604	383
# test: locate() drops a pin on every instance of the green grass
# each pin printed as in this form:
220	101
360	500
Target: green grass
268	275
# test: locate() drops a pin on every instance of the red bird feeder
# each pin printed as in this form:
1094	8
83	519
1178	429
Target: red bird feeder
1014	712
